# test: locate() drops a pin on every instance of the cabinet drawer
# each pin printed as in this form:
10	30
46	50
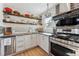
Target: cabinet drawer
18	38
19	48
20	41
19	44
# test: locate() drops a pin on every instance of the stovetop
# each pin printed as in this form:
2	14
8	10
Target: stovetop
67	37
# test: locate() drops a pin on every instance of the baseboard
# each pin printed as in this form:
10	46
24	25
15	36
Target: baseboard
43	50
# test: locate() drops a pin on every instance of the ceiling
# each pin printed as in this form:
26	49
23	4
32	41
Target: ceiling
34	8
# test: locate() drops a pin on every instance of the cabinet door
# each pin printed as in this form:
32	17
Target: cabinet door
34	40
19	43
27	42
39	40
64	7
46	43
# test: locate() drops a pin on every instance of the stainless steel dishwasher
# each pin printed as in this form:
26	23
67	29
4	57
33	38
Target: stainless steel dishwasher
8	45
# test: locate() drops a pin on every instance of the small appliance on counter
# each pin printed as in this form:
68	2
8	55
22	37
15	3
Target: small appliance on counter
7	31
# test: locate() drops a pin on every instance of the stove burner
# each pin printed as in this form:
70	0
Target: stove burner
67	37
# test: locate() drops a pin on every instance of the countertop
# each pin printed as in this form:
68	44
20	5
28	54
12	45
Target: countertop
18	34
21	34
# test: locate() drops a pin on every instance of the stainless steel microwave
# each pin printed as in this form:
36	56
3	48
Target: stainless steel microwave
68	21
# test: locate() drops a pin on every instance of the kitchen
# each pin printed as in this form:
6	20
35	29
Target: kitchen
39	29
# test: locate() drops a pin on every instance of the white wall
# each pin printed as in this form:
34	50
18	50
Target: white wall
1	14
33	8
21	28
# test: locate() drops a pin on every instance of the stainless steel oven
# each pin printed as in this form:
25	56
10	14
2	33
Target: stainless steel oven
64	45
59	50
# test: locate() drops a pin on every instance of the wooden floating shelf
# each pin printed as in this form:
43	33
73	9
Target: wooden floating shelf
23	16
17	22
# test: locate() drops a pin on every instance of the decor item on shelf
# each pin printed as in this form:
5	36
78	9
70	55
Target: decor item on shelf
7	10
27	14
8	19
7	31
32	16
16	13
40	22
22	15
39	28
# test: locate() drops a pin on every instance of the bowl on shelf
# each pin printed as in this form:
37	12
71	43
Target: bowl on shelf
7	10
16	13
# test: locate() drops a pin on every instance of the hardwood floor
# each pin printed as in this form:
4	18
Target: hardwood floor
37	51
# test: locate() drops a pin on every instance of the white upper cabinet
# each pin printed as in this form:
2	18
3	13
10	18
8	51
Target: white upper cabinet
74	5
64	7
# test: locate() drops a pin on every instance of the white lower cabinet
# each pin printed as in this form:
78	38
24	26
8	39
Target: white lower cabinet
34	40
19	43
46	43
30	41
27	42
43	42
39	40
